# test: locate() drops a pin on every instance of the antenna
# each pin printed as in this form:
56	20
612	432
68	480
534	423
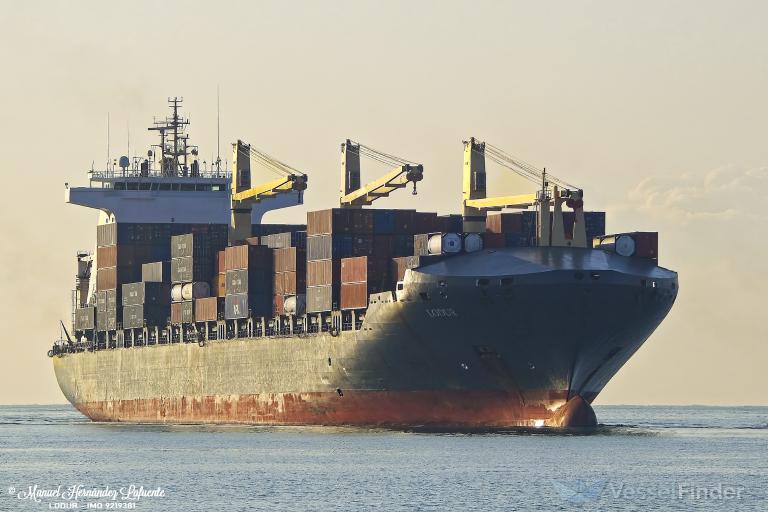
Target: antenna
108	155
128	130
218	131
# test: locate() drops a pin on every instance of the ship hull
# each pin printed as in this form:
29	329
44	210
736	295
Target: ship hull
508	338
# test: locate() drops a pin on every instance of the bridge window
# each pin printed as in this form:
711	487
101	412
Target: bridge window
119	185
203	187
187	187
132	186
218	188
144	186
164	186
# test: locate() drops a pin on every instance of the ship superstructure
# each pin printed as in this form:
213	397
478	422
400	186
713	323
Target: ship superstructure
195	311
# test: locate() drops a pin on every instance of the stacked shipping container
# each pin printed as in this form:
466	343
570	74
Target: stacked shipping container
519	229
194	258
248	281
290	276
374	235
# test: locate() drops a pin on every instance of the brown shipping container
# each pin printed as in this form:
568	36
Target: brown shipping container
256	257
106	279
290	259
207	309
294	282
325	222
323	272
354	270
123	255
354	295
114	277
106	256
504	223
400	265
278	281
182	312
219	284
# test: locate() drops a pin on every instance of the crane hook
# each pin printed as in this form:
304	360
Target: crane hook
414	189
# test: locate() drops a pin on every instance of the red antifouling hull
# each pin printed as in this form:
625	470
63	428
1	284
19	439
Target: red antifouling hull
465	409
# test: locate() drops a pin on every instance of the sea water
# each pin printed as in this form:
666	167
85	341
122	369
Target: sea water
640	458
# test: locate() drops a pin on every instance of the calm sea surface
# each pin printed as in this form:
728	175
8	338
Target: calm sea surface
641	458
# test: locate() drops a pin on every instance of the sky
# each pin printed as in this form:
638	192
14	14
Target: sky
656	109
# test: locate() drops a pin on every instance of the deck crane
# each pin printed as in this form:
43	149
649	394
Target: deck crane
476	204
244	196
355	196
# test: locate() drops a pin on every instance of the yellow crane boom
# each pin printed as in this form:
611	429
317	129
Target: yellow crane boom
354	195
244	196
476	204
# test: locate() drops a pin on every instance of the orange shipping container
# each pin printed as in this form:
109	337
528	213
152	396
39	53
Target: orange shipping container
219	285
220	262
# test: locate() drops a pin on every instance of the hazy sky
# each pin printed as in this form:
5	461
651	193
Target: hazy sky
657	109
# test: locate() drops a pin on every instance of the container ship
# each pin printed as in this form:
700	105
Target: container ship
514	312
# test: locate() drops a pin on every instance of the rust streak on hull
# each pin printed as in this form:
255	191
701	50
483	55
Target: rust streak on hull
465	409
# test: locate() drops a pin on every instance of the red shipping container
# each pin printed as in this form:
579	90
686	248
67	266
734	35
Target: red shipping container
278	305
424	222
646	244
493	240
